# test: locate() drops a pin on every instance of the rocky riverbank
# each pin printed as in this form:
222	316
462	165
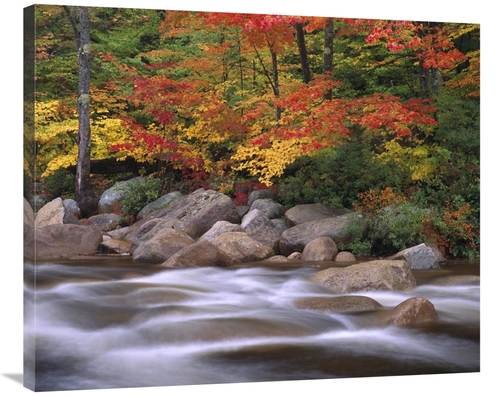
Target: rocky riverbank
205	228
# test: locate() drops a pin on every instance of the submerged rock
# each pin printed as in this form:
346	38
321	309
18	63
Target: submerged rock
339	303
413	310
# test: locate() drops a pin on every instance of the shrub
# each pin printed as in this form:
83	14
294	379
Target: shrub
61	183
397	227
138	195
336	176
454	231
388	230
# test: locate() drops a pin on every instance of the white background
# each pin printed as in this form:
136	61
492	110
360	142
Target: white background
11	275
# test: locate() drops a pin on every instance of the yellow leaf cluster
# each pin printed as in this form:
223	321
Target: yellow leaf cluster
270	162
56	136
423	162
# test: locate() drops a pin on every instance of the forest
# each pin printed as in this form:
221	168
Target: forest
356	113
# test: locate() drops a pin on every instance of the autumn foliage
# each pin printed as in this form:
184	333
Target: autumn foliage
221	99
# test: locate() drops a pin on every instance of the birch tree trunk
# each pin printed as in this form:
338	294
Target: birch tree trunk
84	194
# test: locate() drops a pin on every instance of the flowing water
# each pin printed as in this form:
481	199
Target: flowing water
111	324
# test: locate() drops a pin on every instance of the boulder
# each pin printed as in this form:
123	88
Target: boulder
163	244
240	247
242	210
57	241
374	275
148	230
295	256
280	225
200	210
114	246
309	212
422	256
339	304
29	215
294	239
413	310
111	198
159	203
277	259
320	249
72	207
261	194
198	254
219	228
344	257
54	212
258	226
119	233
103	222
272	209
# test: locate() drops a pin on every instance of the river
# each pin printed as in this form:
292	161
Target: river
107	323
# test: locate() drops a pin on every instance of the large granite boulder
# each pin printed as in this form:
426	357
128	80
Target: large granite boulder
219	228
320	249
294	239
58	241
54	212
114	246
261	194
198	254
240	247
374	275
111	198
199	210
309	212
423	256
271	208
159	203
72	207
103	222
258	226
145	229
163	244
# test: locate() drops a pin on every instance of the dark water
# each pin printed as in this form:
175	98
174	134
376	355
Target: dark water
109	324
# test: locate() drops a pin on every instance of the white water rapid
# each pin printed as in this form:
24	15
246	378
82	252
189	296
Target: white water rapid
91	326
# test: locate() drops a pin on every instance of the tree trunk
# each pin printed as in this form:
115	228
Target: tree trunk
276	86
304	61
328	53
84	194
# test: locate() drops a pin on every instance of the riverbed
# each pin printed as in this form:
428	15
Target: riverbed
109	323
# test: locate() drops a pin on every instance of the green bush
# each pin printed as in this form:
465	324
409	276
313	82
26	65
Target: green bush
61	183
138	195
389	231
336	176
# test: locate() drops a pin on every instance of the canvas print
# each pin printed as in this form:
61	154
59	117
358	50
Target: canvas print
222	197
